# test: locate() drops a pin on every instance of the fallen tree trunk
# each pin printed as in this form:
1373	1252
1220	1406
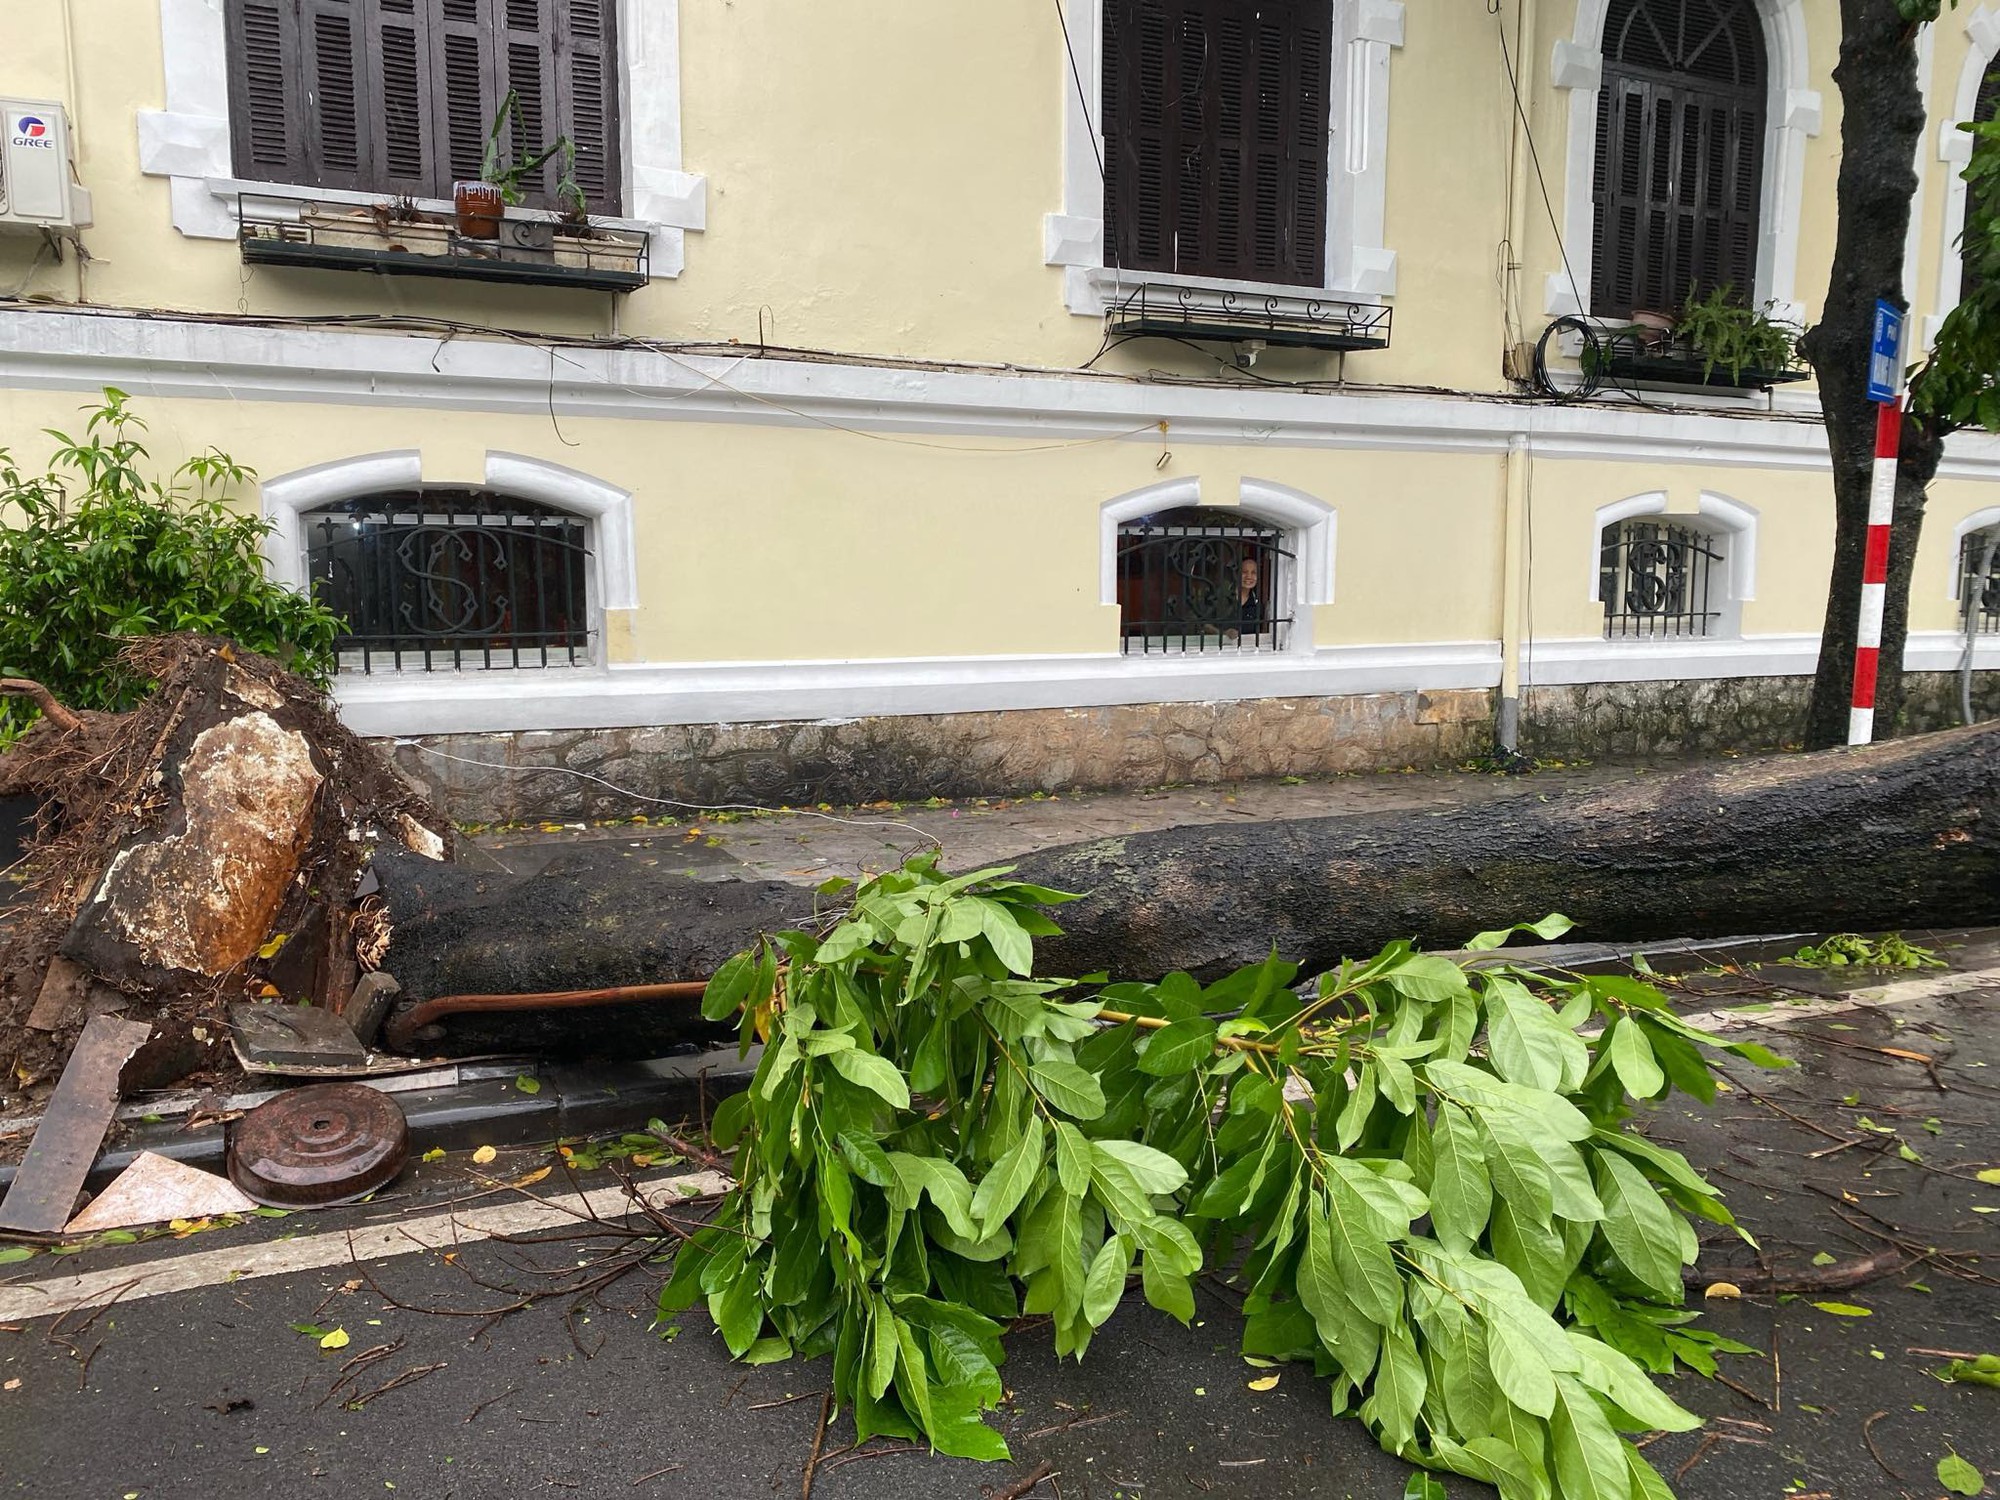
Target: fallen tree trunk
1892	835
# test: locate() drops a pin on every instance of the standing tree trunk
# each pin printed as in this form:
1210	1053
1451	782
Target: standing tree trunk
1881	121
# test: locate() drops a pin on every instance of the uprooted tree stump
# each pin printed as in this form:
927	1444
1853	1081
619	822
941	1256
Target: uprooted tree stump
203	848
1902	833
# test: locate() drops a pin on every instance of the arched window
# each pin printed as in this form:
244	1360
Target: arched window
1662	578
1201	579
1987	107
1679	162
1980	601
437	578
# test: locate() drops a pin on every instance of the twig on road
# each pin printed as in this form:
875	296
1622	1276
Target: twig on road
1028	1482
819	1444
1868	1437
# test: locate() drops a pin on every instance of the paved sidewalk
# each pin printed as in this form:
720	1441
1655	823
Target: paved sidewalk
811	845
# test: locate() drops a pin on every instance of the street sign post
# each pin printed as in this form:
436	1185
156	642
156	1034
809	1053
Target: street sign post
1885	388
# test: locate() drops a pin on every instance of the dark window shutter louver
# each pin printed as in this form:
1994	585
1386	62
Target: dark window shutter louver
1985	107
1215	119
395	96
1680	143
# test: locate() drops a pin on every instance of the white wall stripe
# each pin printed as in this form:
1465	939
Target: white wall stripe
254	362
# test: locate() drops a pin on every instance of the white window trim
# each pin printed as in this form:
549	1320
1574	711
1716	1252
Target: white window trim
1358	265
1979	520
1731	520
1792	115
1309	525
1954	147
611	576
188	141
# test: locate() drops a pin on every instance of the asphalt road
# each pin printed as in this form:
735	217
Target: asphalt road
208	1394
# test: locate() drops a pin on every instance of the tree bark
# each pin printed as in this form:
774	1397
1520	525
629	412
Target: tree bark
1901	833
1881	123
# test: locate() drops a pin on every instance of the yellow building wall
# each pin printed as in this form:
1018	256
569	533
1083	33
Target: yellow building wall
878	172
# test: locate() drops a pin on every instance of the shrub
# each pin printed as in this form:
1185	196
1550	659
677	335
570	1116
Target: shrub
99	549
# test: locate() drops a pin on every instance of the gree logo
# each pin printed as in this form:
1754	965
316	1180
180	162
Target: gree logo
32	130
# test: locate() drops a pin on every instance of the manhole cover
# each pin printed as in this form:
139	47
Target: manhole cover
312	1147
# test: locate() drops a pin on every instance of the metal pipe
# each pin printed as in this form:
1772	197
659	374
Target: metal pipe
1513	591
401	1028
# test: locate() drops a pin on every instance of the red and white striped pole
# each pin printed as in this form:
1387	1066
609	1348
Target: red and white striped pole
1875	569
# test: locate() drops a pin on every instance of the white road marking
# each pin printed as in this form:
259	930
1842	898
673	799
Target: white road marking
1893	992
185	1273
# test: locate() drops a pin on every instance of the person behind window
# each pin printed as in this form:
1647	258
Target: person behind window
1249	618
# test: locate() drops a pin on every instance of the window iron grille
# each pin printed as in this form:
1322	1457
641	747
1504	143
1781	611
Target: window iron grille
1193	579
1985	602
1659	580
451	579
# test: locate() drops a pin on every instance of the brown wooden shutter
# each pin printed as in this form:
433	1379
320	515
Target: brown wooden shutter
586	71
402	125
1215	123
397	96
267	104
1680	141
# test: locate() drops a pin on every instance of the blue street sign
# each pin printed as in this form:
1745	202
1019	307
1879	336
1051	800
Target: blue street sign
1885	355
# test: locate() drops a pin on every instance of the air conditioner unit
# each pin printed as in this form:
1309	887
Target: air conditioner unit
37	188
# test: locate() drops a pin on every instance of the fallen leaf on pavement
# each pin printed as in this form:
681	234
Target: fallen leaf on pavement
1845	1309
337	1339
1727	1291
485	1154
1263	1383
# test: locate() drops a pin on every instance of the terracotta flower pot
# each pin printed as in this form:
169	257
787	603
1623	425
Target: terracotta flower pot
479	207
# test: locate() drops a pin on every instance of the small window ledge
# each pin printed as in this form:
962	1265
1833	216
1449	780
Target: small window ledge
344	237
1281	317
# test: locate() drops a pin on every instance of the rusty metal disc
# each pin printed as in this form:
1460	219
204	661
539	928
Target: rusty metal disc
314	1147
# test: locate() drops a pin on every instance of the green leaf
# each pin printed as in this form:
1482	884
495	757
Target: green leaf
1589	1459
1104	1283
1632	1059
1519	1175
1072	1159
1461	1189
1398	1394
1960	1477
14	1254
1171	1294
725	991
1011	945
1353	1339
1179	1047
1068	1088
1154	1171
1638	1226
876	1074
1845	1309
1421	1486
1000	1192
1523	1375
1360	1253
867	1159
1528	1044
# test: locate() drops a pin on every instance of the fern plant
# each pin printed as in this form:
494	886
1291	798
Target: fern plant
1726	332
1449	1215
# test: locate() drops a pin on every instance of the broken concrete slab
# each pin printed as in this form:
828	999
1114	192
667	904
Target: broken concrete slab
43	1195
156	1190
273	1037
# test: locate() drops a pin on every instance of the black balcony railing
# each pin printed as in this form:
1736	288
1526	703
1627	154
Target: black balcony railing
1248	317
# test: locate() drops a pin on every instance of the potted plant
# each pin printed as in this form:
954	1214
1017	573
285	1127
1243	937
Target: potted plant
1723	331
480	204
